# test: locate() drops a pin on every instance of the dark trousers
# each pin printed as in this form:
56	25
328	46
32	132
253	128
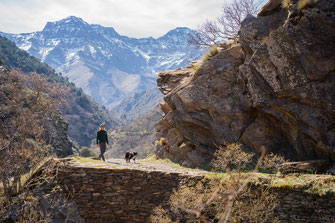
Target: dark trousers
102	150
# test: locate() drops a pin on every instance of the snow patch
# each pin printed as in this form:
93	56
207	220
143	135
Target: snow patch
92	50
44	52
26	46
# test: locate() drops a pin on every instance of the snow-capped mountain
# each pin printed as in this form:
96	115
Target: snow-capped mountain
107	66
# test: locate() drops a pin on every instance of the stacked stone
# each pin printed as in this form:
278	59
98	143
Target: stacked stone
297	206
127	195
119	195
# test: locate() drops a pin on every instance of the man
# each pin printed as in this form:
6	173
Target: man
102	140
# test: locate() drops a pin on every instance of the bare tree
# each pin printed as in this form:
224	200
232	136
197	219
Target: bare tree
27	104
225	26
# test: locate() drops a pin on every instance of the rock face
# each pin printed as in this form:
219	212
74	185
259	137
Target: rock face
57	136
274	87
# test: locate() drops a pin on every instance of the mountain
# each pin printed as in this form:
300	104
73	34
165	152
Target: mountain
82	113
107	66
139	104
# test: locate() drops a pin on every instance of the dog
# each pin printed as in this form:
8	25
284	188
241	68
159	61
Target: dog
130	155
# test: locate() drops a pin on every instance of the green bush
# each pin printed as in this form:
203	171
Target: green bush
86	152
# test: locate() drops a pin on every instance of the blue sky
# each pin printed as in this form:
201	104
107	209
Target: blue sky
135	18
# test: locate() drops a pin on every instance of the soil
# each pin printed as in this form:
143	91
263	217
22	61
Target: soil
159	165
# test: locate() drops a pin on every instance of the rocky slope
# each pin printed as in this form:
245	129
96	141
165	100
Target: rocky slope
107	66
273	87
80	111
139	104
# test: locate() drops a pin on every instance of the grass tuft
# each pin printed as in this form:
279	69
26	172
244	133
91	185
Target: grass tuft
304	3
212	52
286	3
80	159
160	142
195	68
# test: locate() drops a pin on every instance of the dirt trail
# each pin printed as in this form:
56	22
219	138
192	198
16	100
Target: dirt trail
159	165
140	164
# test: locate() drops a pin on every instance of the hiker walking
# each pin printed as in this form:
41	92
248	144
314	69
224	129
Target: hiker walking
102	140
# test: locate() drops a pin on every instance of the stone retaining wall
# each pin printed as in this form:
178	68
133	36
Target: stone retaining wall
119	195
124	195
297	206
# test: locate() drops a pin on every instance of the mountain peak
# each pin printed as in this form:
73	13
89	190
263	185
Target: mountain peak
179	30
70	21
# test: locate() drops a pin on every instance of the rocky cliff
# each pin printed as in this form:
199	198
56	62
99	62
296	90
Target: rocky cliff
274	86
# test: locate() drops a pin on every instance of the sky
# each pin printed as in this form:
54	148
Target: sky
133	18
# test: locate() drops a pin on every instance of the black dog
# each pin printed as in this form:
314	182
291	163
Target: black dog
130	155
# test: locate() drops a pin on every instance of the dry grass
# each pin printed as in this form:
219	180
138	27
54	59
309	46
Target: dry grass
80	159
229	199
301	4
212	52
160	142
304	3
25	177
286	3
310	183
195	68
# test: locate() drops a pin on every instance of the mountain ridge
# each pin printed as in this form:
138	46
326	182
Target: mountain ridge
106	65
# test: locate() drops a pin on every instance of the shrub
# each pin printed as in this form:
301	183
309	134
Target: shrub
225	200
232	198
86	152
271	162
231	157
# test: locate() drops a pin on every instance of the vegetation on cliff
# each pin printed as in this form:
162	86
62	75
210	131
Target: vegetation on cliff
31	126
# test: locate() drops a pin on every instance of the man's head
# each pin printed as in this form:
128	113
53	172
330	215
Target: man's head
102	126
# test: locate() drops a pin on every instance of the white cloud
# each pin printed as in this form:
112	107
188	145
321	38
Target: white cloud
135	18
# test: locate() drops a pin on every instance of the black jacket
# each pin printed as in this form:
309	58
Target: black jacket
102	136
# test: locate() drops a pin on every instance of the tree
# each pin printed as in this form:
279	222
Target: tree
27	104
225	26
